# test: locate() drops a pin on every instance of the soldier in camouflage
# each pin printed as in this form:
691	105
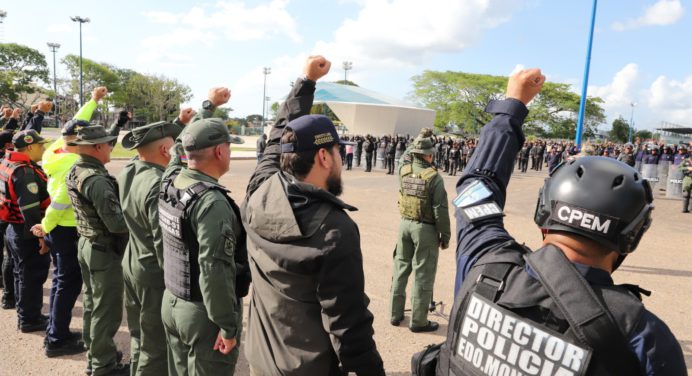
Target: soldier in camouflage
103	236
423	230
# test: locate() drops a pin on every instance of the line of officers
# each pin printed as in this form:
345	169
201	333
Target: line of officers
103	232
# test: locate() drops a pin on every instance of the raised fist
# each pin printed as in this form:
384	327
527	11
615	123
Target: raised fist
45	106
525	84
99	93
6	112
17	113
34	107
316	67
186	114
219	95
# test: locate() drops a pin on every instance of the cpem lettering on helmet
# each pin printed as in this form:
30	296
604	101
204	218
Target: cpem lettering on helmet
584	219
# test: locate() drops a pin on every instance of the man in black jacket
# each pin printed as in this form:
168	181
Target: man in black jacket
308	312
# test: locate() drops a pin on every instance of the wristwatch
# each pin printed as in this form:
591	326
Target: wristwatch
207	105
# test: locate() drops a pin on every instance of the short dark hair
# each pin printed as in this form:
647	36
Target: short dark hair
297	164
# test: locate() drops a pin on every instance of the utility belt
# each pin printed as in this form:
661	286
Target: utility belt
418	220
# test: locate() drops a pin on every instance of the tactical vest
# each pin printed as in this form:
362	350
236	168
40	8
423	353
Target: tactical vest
180	246
506	322
89	224
415	201
9	208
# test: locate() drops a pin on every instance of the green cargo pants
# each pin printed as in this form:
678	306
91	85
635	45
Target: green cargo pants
148	337
417	250
191	337
103	304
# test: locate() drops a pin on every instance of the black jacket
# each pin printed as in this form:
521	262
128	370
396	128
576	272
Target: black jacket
309	312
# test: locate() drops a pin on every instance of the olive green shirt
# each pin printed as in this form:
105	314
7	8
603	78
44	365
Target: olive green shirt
103	195
139	184
215	226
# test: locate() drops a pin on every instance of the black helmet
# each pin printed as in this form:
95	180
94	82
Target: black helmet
599	198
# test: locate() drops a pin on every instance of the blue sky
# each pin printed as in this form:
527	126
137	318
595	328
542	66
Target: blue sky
641	50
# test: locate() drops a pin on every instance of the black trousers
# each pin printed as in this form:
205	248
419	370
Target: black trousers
349	161
358	159
368	162
524	164
30	273
7	267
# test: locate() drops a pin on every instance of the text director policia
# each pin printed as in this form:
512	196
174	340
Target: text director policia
513	341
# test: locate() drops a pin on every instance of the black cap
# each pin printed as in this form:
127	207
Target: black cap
23	139
312	132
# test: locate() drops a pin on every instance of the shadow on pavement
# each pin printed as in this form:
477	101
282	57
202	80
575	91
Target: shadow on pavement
656	271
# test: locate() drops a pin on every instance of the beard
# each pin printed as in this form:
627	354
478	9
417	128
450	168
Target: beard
334	184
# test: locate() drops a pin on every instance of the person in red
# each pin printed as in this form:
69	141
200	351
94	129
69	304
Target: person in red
23	200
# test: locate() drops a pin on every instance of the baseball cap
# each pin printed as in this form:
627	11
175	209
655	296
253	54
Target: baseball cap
206	133
312	132
25	138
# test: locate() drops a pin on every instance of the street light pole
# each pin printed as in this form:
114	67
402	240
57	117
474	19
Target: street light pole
347	65
54	48
81	83
266	71
629	137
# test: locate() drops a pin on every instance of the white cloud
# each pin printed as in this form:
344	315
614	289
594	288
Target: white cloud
672	99
663	12
235	20
621	91
401	33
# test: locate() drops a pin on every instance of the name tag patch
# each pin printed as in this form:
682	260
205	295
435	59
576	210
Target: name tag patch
583	219
494	341
170	223
476	213
473	193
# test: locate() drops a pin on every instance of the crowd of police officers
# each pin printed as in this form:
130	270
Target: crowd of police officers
164	241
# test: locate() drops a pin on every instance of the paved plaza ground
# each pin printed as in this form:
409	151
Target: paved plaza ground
662	264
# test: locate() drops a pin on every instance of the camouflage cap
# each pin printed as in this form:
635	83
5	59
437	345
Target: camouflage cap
206	133
92	135
423	145
149	133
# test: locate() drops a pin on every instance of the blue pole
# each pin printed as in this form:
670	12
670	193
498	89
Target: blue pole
582	104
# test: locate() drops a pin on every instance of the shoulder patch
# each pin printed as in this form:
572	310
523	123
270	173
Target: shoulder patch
474	193
482	211
32	187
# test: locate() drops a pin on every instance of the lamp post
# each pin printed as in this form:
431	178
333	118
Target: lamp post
54	48
347	65
629	136
266	71
81	84
582	104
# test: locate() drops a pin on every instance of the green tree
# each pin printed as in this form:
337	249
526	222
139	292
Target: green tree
154	98
274	110
222	112
22	70
620	130
644	134
460	98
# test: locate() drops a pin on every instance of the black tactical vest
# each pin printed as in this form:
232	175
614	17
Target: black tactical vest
180	246
507	322
89	224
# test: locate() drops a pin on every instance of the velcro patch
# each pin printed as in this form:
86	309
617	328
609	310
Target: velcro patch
583	219
496	341
32	187
473	193
479	212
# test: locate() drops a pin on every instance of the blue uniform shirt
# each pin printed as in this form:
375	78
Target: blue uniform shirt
651	340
